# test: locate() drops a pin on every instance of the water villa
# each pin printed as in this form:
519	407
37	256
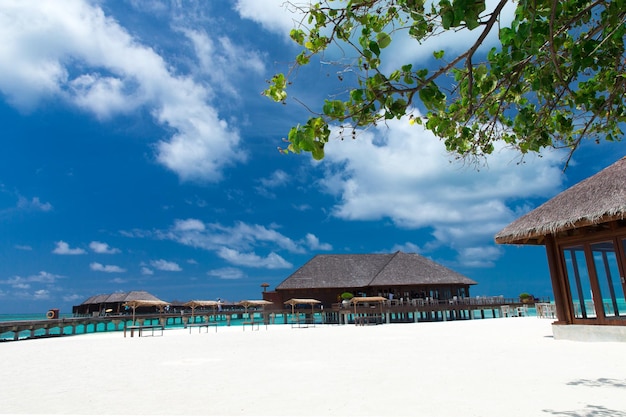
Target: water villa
399	277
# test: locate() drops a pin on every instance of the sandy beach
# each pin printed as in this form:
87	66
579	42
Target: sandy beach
493	367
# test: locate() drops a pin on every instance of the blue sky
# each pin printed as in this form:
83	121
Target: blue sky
138	154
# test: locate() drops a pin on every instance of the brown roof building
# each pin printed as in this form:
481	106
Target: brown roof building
114	302
584	232
403	275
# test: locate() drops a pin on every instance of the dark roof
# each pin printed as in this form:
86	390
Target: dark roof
120	297
595	200
366	270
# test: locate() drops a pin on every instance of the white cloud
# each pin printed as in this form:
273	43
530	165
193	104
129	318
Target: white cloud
23	247
226	273
219	59
407	247
213	236
146	271
62	248
33	204
274	15
278	178
271	261
95	266
78	54
41	295
100	247
43	277
403	173
313	243
163	265
237	243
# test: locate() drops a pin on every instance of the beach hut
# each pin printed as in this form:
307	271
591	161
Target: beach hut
113	302
584	232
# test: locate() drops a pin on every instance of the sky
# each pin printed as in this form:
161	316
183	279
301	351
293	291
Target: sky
137	153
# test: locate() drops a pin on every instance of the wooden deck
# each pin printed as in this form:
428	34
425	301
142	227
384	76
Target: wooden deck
389	312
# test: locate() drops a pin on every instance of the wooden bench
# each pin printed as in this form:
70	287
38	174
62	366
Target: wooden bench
369	319
252	323
140	329
200	326
303	323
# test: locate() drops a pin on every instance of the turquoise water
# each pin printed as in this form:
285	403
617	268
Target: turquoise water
101	327
109	327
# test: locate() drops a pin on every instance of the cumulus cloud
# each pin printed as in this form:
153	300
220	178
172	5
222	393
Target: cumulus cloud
226	273
33	204
163	265
146	271
238	244
274	15
313	243
278	178
63	248
100	247
271	261
95	266
403	173
42	277
80	55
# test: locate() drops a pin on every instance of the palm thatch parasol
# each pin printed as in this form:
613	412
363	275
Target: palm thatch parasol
376	299
253	303
145	303
193	304
294	301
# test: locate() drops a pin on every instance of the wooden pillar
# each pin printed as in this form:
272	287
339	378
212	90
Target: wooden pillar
557	276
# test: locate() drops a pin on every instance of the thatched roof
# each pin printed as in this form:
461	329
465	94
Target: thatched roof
296	301
146	303
120	297
359	271
598	199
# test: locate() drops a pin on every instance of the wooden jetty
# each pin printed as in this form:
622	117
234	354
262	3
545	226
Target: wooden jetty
412	311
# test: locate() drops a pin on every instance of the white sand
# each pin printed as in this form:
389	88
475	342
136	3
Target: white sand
493	367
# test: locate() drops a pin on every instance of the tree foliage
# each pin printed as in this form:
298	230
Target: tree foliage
556	77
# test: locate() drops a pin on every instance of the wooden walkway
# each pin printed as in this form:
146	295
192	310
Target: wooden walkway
375	314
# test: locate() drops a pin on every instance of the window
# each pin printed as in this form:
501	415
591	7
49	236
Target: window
579	283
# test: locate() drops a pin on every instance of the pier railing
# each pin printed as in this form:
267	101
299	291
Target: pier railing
391	311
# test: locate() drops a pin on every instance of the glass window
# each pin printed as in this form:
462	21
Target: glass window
609	279
578	277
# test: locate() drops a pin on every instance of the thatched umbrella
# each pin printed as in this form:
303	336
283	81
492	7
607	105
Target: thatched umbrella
253	303
200	303
145	303
356	300
295	301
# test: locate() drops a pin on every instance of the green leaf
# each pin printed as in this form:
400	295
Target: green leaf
383	40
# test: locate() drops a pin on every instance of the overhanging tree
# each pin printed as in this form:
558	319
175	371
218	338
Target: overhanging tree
557	76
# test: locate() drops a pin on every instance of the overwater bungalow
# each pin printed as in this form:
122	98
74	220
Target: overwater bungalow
112	303
400	277
584	232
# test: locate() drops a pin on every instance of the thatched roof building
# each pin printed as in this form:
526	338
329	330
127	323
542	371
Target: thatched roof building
597	200
404	275
114	302
584	231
